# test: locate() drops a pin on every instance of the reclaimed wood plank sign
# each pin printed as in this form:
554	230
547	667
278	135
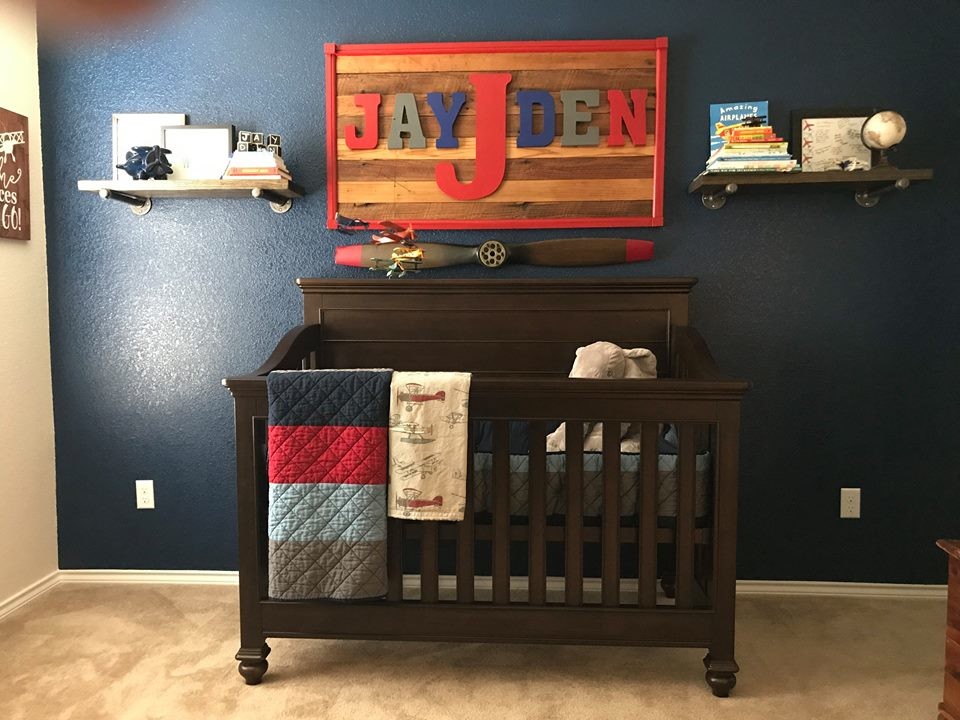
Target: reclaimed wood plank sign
14	177
497	134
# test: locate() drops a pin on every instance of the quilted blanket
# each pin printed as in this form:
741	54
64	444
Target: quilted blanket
327	469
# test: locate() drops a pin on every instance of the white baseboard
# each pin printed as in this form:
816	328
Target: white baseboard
151	577
482	584
840	589
18	600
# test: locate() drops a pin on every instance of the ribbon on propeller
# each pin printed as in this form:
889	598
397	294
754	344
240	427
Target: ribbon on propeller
404	258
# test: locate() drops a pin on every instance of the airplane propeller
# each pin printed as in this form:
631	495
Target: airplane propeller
398	251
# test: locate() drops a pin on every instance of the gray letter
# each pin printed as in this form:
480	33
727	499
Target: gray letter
572	116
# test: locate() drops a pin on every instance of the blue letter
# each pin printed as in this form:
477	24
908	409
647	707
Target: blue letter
526	99
445	117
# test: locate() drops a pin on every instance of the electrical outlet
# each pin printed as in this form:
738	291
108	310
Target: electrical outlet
850	503
144	494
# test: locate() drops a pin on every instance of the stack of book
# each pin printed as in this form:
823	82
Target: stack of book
750	145
256	165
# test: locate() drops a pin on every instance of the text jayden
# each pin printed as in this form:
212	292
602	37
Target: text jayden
490	93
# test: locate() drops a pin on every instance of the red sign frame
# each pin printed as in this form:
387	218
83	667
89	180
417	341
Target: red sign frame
360	86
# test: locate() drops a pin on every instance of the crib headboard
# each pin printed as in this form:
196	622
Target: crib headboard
516	326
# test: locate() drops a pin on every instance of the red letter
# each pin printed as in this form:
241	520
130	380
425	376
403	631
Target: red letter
370	102
491	159
620	116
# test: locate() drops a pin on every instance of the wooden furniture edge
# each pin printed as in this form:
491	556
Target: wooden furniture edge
484	286
950	547
287	355
692	348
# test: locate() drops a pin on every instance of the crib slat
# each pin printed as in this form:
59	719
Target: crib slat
647	512
537	513
394	559
686	478
465	532
573	541
429	576
501	512
610	578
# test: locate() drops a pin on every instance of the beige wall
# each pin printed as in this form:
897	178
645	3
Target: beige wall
28	524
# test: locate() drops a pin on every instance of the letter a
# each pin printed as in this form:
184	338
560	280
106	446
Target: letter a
491	99
406	119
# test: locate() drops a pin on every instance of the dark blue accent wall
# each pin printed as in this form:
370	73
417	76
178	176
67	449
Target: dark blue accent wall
845	320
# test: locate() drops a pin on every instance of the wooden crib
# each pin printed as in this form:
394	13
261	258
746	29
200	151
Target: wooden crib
488	579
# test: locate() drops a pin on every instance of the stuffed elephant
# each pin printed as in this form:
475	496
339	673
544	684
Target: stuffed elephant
605	361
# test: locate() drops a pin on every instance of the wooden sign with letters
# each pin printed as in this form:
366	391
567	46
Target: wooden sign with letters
498	134
14	177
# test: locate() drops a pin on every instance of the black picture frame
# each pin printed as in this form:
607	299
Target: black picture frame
796	126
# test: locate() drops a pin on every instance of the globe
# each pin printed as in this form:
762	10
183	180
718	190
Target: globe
883	130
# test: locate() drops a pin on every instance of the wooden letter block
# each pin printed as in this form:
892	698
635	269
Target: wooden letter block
370	102
406	119
620	116
572	116
446	118
491	158
526	99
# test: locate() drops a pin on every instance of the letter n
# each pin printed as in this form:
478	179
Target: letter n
620	117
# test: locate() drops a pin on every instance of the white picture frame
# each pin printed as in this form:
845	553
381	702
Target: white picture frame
132	129
826	142
198	152
823	138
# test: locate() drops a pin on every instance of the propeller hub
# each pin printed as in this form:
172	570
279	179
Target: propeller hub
492	253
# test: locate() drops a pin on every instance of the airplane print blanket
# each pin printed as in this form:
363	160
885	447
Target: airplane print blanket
327	469
428	445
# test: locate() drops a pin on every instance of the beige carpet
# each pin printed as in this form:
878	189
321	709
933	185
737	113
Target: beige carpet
126	651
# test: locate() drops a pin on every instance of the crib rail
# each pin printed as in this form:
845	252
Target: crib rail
498	539
689	567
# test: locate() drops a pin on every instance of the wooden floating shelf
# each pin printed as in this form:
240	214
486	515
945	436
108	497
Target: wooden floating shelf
869	184
139	193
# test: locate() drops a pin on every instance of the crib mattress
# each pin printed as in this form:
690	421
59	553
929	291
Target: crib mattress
556	479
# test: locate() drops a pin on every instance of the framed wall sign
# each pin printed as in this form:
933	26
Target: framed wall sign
14	176
497	134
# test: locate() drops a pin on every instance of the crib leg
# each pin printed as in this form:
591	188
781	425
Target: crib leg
721	675
253	663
